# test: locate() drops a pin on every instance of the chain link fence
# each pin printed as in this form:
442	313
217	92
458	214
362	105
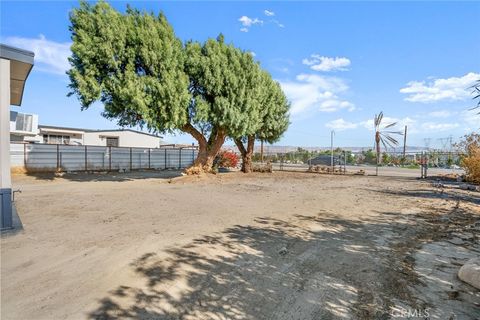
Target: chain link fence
390	163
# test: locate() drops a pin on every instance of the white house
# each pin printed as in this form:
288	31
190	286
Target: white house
114	138
24	128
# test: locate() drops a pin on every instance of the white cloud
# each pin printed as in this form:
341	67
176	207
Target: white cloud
309	92
441	114
280	25
433	126
321	63
269	13
253	54
341	125
247	22
454	88
471	118
50	56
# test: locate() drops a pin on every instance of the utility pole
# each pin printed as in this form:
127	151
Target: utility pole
331	148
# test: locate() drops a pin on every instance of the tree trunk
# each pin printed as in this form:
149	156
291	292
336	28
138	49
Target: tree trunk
247	153
207	150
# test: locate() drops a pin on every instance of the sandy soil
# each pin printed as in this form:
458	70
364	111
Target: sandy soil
234	246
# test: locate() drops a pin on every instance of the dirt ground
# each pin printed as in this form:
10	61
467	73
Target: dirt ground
235	246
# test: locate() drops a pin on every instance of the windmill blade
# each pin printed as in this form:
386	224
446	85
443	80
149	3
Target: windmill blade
380	117
384	143
394	132
392	140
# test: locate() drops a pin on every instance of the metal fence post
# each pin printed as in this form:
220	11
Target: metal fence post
130	158
25	156
109	158
165	159
179	158
58	156
149	150
86	157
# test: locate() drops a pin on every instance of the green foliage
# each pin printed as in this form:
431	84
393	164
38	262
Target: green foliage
135	65
370	157
225	82
274	107
132	63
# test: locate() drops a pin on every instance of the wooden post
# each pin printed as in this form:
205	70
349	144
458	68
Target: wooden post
405	143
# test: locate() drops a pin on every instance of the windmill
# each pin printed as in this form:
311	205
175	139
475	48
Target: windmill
383	136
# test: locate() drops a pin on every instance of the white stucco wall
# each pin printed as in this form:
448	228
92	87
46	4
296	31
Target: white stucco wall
125	139
5	180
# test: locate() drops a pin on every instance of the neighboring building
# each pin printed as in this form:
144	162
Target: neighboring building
114	138
15	66
23	127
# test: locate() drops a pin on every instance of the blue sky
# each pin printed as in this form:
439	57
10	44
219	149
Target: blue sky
338	62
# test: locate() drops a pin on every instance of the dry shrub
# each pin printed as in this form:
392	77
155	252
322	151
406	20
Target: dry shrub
469	147
194	170
18	170
262	167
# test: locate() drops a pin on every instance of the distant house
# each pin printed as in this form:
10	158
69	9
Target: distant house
25	128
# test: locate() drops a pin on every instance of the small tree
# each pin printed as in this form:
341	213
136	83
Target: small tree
382	136
469	148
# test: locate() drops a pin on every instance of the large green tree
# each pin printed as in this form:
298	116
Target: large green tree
135	65
225	84
272	120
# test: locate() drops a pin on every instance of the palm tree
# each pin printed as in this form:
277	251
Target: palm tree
382	136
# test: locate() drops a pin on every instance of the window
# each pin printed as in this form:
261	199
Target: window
56	139
23	122
112	141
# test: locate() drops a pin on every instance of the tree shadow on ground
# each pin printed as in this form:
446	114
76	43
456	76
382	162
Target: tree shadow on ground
436	193
313	267
81	176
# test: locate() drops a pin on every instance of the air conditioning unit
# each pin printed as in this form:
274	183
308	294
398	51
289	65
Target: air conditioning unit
24	122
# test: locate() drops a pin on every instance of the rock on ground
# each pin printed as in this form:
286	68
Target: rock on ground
470	272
